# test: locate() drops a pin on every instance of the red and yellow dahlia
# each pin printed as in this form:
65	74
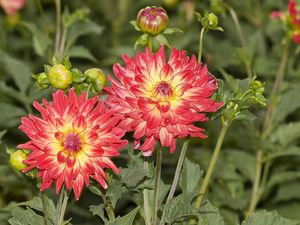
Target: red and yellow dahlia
162	100
72	142
12	6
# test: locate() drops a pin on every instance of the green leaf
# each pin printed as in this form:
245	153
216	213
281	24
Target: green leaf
36	204
172	31
26	217
190	177
41	40
2	133
287	191
98	210
81	52
267	218
10	114
80	29
210	215
115	191
180	207
133	23
286	134
125	220
245	115
19	71
162	40
142	41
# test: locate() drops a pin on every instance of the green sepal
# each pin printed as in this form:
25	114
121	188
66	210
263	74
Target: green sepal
134	24
142	41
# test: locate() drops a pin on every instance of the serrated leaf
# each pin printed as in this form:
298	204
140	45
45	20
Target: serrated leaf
190	177
267	218
210	215
98	210
115	191
125	220
18	70
180	207
41	40
26	217
81	52
286	134
36	204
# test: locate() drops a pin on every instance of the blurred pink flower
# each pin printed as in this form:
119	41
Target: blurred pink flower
276	14
12	6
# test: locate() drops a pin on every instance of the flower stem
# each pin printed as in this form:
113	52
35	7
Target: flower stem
258	185
146	195
200	44
176	177
241	37
58	26
61	206
157	182
110	211
211	167
149	43
43	196
63	42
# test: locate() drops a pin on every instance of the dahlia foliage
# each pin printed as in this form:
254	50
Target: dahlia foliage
161	100
72	141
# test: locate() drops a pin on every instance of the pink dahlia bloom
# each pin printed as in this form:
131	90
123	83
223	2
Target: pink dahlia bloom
161	100
294	11
72	141
12	6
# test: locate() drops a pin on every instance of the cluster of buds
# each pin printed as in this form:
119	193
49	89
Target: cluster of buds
243	94
291	18
152	21
63	76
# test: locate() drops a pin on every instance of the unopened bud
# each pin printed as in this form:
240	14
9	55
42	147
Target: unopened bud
59	76
97	77
152	20
16	160
213	19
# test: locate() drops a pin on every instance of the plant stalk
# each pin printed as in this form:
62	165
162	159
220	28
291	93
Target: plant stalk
58	26
146	195
61	206
149	43
157	182
110	211
43	197
211	167
176	177
200	44
267	127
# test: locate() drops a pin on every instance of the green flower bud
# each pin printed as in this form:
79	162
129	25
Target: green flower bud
257	87
59	76
170	3
152	20
16	160
41	80
97	77
213	19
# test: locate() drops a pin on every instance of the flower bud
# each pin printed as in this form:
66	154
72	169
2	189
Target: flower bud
152	20
257	87
97	77
16	160
41	80
213	19
59	76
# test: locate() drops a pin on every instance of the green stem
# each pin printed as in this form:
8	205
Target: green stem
255	188
241	36
62	43
149	42
39	6
267	127
58	26
200	44
43	196
176	177
211	167
157	182
61	206
146	195
110	211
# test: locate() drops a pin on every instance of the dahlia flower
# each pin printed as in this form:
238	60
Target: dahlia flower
12	6
162	100
72	141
